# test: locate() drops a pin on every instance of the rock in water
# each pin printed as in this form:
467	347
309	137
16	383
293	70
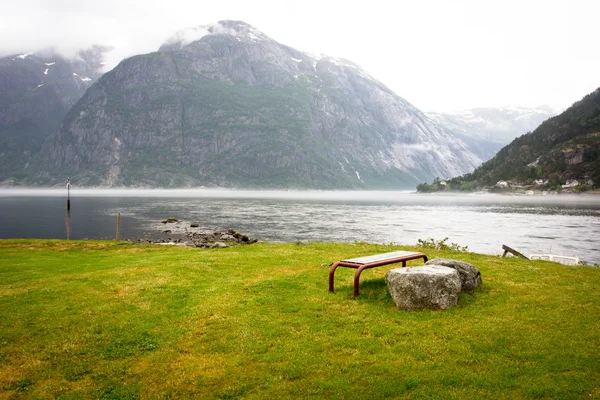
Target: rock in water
470	277
228	237
429	286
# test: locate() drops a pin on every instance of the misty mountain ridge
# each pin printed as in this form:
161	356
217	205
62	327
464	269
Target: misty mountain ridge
375	139
235	108
36	91
491	128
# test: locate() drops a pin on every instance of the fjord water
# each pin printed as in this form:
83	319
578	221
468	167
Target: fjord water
564	225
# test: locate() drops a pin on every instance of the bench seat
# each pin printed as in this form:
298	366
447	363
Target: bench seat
376	260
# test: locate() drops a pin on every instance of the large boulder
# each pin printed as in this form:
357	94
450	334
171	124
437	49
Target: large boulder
429	286
470	277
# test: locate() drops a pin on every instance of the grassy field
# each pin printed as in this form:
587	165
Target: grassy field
114	320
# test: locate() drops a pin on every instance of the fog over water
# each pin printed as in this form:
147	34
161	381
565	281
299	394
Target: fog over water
564	225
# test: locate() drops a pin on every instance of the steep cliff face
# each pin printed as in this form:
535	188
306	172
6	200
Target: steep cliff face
36	91
226	105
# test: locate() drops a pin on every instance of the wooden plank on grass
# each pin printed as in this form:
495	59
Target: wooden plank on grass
512	251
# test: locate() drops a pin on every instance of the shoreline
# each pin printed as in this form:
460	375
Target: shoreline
211	239
533	224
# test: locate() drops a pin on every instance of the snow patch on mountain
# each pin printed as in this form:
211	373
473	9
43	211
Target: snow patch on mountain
240	30
83	78
340	62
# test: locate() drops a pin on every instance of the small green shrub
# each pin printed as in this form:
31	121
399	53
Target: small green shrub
431	243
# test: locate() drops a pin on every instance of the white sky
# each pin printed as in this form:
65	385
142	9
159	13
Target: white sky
441	55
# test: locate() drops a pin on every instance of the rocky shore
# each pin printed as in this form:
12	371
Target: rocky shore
182	233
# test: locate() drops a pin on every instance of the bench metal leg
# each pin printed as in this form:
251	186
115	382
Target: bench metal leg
331	274
357	279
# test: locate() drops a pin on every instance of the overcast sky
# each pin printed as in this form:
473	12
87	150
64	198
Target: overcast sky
441	55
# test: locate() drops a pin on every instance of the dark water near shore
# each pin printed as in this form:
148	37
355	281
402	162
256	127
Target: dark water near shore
561	225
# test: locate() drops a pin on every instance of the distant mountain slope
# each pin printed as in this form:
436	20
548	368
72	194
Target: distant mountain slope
487	130
565	147
36	92
226	105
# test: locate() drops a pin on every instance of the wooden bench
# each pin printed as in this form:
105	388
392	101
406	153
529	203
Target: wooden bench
377	260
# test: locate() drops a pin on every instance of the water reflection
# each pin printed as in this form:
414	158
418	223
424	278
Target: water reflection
68	224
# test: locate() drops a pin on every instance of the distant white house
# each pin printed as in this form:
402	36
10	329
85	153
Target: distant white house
571	183
502	184
443	183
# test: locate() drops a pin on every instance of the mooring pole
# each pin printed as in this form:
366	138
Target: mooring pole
118	225
68	225
68	193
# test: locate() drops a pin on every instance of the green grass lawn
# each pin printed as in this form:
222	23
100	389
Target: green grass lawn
114	320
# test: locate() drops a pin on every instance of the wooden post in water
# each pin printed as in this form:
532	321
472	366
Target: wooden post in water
118	225
68	194
68	224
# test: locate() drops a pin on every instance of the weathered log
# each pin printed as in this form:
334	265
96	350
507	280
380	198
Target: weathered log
512	251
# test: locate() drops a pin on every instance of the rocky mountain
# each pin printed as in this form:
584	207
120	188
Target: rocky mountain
487	130
36	92
226	105
564	150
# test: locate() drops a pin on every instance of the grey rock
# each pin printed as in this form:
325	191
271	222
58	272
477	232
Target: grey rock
429	286
206	232
470	277
219	245
228	237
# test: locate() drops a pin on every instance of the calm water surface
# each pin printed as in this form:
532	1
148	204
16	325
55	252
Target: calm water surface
533	224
